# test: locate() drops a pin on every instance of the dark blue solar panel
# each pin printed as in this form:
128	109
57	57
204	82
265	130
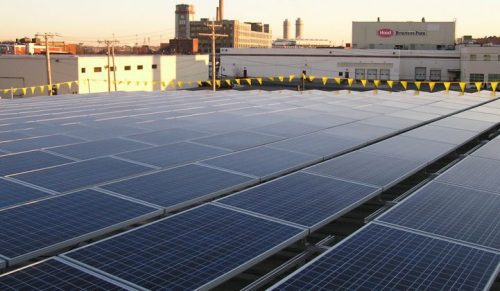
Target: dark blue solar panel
451	211
55	275
27	231
383	258
81	174
106	132
29	161
476	173
411	149
320	144
442	134
195	249
238	140
179	187
490	151
168	136
13	194
99	148
11	135
174	154
38	143
288	129
302	198
368	168
263	162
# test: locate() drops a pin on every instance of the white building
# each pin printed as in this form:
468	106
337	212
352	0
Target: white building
403	35
423	65
133	73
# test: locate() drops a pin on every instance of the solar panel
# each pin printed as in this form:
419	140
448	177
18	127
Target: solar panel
14	194
451	211
288	129
490	150
384	258
55	274
238	140
464	124
263	162
302	198
36	143
106	132
411	149
99	148
199	248
177	188
38	228
416	115
168	136
390	122
327	120
29	161
319	144
81	174
11	135
174	154
442	134
368	168
479	116
475	173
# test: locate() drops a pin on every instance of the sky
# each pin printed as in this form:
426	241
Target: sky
153	20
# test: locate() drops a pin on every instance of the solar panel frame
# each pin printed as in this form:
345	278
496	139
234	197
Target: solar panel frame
374	229
12	189
356	167
53	274
474	172
3	264
254	162
29	161
21	257
439	209
69	177
253	200
182	195
37	143
214	282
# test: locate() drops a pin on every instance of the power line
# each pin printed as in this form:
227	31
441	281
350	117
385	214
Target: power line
213	36
110	44
48	36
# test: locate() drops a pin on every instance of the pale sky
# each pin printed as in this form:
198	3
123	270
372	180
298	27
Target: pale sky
89	20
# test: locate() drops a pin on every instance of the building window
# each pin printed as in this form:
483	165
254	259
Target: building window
140	67
155	66
499	58
128	68
473	57
97	69
435	75
84	70
112	69
476	78
487	58
494	78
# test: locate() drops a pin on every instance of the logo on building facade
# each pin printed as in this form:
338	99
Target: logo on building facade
385	32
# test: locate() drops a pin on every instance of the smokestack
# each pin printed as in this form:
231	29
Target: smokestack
217	14
221	10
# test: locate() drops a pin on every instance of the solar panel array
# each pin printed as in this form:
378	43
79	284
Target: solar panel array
101	162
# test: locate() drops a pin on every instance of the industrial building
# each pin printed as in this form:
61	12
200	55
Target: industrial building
133	73
239	34
404	35
419	65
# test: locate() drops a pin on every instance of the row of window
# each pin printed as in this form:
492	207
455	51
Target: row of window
112	69
486	58
480	78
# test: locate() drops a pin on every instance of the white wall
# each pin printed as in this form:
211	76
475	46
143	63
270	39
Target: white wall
28	71
331	62
480	65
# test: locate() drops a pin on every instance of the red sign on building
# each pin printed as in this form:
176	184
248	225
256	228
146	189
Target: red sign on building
385	32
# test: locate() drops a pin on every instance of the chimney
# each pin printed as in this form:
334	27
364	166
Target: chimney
221	10
217	14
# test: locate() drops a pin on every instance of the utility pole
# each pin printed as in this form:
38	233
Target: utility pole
110	44
213	36
46	37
